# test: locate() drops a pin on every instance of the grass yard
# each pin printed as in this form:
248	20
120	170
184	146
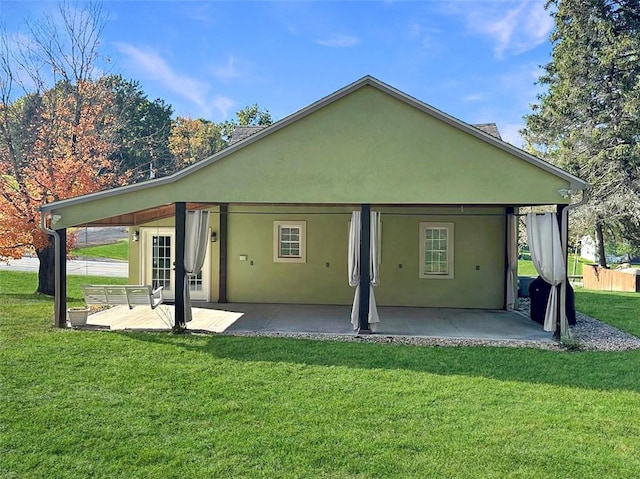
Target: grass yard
106	404
621	310
526	268
119	250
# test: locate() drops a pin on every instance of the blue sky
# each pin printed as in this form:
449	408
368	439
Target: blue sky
475	60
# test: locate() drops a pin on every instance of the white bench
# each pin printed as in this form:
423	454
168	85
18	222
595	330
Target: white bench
131	295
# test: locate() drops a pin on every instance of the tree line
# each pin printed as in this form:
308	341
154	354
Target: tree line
66	129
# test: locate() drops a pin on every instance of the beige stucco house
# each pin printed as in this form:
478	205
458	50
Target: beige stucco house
282	198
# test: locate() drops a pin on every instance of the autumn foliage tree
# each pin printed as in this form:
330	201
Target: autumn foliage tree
70	143
193	140
55	142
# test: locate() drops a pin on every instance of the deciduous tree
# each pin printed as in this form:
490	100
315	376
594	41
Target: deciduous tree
143	130
251	115
56	140
193	140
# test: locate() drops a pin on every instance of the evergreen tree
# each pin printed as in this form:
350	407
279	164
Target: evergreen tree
588	119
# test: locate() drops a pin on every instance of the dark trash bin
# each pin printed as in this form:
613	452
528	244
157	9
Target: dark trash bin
523	286
539	291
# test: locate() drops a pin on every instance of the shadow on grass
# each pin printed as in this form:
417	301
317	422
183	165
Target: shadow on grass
32	297
600	371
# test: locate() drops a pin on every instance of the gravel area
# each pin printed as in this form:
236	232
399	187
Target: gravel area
593	335
589	333
407	340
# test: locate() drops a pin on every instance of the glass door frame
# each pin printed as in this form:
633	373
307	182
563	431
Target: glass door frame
146	263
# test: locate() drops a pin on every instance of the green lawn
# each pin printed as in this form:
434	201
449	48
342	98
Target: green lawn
106	404
526	268
621	310
119	250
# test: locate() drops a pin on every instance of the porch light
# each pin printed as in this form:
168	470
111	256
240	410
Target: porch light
134	236
214	236
565	193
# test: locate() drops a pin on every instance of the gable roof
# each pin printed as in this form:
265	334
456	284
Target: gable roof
489	128
242	132
484	133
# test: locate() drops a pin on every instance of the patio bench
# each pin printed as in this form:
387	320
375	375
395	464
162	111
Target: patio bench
131	295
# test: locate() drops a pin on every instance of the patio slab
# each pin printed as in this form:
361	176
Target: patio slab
330	319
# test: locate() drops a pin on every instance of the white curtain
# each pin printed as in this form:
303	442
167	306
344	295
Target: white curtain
195	249
354	265
548	258
512	261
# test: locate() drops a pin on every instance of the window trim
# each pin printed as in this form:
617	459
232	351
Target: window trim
302	225
450	250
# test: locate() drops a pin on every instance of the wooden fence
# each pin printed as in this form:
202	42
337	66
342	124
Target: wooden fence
595	277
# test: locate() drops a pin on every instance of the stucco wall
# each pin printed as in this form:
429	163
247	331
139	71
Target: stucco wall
478	270
479	260
266	281
366	147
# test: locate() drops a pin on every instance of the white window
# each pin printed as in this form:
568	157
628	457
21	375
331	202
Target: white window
436	250
289	242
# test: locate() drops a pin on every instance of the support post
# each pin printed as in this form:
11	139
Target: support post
223	242
509	211
60	300
180	277
365	258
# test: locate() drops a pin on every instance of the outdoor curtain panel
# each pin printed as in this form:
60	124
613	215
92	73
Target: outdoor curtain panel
512	259
195	248
354	265
548	258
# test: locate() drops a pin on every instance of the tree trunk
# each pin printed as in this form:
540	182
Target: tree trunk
602	258
46	271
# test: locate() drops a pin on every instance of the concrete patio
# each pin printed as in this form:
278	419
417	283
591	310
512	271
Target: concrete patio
330	319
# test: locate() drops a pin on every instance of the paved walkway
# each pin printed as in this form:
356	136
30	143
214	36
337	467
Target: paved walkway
116	269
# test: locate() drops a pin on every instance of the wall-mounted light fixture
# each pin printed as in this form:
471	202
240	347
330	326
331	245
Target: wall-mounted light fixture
135	236
565	193
214	236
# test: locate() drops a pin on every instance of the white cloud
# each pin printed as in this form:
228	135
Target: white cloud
339	41
228	71
426	36
513	30
474	97
223	104
150	64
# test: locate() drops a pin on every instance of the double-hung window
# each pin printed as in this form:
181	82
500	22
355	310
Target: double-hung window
289	242
436	250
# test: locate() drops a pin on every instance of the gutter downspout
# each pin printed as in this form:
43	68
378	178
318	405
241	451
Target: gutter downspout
565	245
60	322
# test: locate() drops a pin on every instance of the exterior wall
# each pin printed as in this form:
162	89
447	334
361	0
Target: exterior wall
479	260
260	280
479	242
